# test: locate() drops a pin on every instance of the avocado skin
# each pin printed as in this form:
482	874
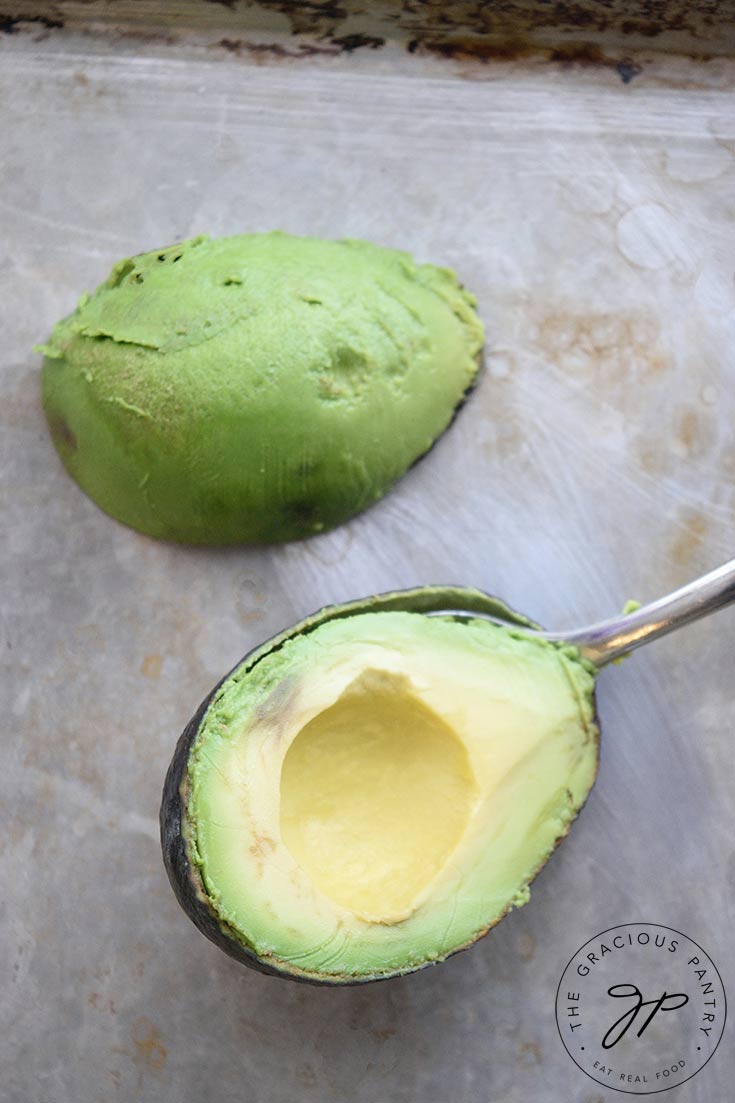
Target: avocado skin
183	875
184	880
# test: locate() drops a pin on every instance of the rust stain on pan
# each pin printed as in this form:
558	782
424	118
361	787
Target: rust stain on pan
262	50
436	18
150	1052
569	54
690	539
582	33
13	24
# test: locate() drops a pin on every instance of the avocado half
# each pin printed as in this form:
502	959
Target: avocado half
374	789
256	388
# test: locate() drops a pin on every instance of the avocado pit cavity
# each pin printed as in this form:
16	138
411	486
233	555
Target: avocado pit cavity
376	792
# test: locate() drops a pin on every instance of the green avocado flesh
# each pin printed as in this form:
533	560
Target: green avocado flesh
256	388
375	794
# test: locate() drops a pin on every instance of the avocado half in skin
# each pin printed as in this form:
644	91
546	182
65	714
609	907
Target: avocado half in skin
374	789
256	388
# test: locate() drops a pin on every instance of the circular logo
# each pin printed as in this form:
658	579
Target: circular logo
641	1008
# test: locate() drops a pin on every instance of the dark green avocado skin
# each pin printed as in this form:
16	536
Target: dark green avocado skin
184	879
184	876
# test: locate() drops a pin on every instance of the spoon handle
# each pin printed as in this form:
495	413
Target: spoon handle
610	639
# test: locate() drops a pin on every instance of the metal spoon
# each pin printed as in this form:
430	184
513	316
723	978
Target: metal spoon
608	640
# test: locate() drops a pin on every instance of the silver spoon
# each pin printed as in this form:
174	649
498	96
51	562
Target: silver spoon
608	640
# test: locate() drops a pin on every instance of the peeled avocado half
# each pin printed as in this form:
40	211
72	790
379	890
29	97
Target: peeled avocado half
261	387
374	789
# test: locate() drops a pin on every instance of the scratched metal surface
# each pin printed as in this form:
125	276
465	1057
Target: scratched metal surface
595	462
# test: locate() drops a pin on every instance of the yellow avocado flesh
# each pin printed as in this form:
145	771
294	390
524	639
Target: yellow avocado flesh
378	792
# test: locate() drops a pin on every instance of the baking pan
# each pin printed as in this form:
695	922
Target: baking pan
576	166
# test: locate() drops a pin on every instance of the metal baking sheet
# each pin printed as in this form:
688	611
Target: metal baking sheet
595	462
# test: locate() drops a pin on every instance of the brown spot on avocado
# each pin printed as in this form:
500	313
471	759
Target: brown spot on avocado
275	706
62	435
303	515
262	846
